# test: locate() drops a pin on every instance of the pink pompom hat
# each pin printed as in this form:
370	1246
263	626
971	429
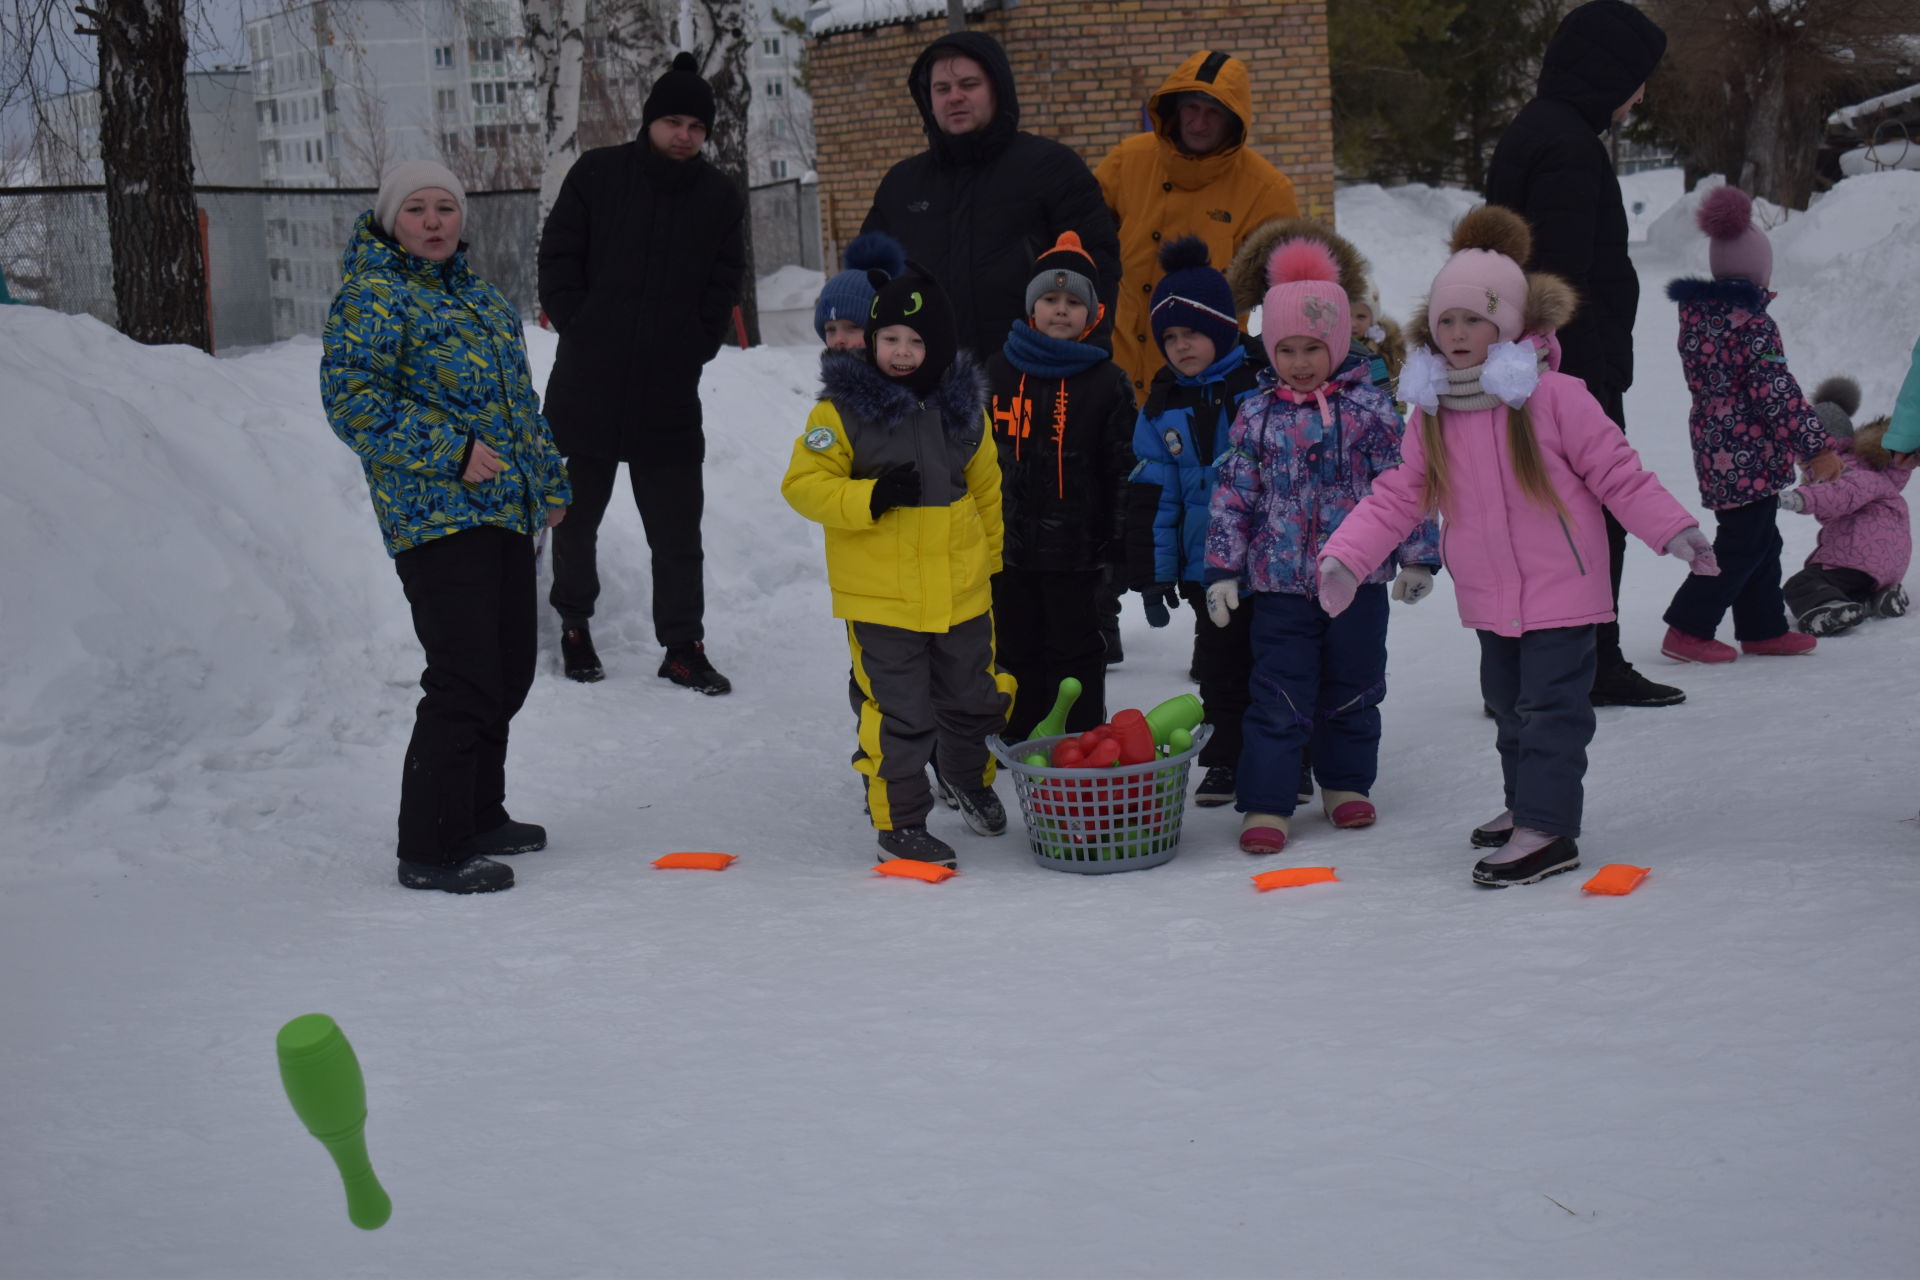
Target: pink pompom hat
1304	299
1738	250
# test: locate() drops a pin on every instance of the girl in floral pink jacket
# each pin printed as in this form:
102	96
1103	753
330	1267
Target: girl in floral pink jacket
1518	459
1750	424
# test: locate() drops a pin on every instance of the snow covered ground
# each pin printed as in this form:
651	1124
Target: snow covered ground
797	1068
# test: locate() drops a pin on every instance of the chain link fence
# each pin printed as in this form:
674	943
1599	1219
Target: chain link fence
273	253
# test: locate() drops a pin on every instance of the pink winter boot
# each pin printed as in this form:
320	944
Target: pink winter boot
1781	646
1349	809
1263	833
1682	647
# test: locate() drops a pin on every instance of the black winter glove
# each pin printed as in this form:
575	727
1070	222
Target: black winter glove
897	487
1157	600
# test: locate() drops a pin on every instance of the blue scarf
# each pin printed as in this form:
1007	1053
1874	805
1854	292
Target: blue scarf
1033	352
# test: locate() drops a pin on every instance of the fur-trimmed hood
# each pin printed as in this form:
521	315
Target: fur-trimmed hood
1247	272
1869	444
1551	304
849	380
1736	293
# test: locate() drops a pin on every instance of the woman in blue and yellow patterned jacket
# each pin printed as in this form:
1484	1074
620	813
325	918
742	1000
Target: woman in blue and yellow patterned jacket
425	377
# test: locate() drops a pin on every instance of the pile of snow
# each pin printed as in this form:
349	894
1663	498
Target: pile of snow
1403	232
1648	194
797	1068
786	305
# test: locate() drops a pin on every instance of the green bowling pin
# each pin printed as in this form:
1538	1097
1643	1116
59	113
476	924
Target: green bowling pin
1182	711
323	1082
1056	722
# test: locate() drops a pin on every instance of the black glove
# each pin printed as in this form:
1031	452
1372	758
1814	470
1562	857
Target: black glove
897	487
1157	600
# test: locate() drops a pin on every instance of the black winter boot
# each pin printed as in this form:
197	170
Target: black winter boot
687	666
917	844
1216	788
1622	686
978	805
1891	603
475	875
578	657
511	837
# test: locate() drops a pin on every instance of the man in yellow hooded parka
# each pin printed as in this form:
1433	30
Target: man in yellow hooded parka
1193	175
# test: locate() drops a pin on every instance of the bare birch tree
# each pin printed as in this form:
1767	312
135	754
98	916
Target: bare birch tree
723	39
557	37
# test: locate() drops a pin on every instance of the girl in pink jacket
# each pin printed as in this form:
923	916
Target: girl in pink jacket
1518	459
1866	539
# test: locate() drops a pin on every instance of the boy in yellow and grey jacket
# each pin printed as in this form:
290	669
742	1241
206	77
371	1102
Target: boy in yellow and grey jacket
897	463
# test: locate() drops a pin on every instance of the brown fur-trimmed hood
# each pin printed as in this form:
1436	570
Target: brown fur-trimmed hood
1551	304
1247	272
1869	445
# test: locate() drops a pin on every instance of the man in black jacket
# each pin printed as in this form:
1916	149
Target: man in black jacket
640	266
1552	168
984	200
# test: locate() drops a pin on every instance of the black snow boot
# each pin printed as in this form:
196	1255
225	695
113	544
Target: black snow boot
1622	686
917	844
1891	603
511	837
687	666
475	875
577	655
978	805
1550	860
1831	617
1217	788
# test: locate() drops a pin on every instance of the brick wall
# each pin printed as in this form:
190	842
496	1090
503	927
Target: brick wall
1084	69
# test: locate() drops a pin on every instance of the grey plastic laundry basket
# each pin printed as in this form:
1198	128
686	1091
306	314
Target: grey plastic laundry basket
1095	821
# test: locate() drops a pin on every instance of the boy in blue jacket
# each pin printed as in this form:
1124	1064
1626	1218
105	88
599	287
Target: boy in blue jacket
1178	438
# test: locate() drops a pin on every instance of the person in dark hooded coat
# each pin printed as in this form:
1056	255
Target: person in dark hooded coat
641	262
1552	167
984	200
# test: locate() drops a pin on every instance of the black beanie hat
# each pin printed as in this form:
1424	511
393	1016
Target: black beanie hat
680	92
913	299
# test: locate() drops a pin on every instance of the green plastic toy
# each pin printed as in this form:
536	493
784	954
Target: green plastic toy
323	1082
1178	741
1056	720
1182	711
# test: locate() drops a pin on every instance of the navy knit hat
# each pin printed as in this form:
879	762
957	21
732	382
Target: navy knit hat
849	295
1193	295
680	92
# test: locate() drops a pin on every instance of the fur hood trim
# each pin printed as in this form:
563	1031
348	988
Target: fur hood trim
1869	445
852	383
1247	272
1744	294
1551	305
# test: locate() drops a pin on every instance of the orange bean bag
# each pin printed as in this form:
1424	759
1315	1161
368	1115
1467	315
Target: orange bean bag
697	861
913	869
1616	878
1290	877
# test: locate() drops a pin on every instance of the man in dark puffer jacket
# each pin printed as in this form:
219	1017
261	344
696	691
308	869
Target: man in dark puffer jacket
1552	167
984	200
